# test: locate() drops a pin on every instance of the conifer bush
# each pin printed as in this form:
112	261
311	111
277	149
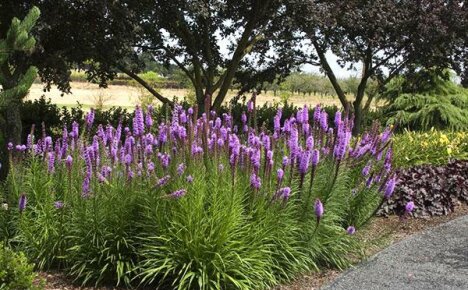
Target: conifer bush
196	203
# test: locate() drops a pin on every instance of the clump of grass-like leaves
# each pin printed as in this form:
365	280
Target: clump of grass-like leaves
196	203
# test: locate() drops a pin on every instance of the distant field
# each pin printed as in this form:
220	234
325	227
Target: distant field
128	96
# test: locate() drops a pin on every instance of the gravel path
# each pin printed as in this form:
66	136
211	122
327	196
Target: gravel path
435	259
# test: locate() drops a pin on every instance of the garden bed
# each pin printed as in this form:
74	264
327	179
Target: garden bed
380	233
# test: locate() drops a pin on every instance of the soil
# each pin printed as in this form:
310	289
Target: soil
379	234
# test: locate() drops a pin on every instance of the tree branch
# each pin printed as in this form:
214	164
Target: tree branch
331	75
145	85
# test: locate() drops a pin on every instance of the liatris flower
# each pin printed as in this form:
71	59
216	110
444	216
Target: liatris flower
106	171
75	130
189	178
409	207
47	143
101	178
165	160
299	116
190	111
10	146
277	120
85	186
58	204
196	149
243	118
250	106
315	157
389	188
369	181
304	162
163	181
318	208
149	117
388	160
269	158
293	143
89	119
51	166
305	115
386	135
255	181
256	159
310	143
284	193
183	117
138	122
150	167
22	202
30	140
128	159
285	161
317	114
280	175
21	148
366	170
324	121
351	230
181	169
337	119
178	193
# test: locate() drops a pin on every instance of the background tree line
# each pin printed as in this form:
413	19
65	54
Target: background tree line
249	44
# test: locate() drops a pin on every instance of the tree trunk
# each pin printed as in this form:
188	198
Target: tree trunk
13	122
357	117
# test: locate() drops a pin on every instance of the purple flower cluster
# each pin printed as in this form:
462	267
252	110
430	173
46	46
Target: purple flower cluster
163	153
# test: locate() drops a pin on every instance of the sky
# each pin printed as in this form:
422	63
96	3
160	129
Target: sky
339	72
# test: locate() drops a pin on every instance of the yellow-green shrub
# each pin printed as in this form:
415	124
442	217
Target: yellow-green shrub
432	147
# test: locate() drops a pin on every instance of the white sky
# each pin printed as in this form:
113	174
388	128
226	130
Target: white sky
339	72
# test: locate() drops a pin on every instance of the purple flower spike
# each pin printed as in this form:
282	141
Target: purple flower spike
51	167
10	146
317	114
22	202
280	174
250	106
163	181
324	121
255	181
178	193
58	204
310	143
366	170
148	117
304	162
284	193
315	157
318	209
351	230
181	168
89	119
69	162
189	178
285	161
409	207
389	188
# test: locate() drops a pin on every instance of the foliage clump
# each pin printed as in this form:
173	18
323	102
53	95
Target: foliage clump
427	100
435	190
196	203
15	271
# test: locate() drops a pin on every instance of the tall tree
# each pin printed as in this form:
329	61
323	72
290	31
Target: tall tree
384	38
215	41
16	80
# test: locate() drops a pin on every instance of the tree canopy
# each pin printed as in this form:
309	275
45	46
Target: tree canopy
383	38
